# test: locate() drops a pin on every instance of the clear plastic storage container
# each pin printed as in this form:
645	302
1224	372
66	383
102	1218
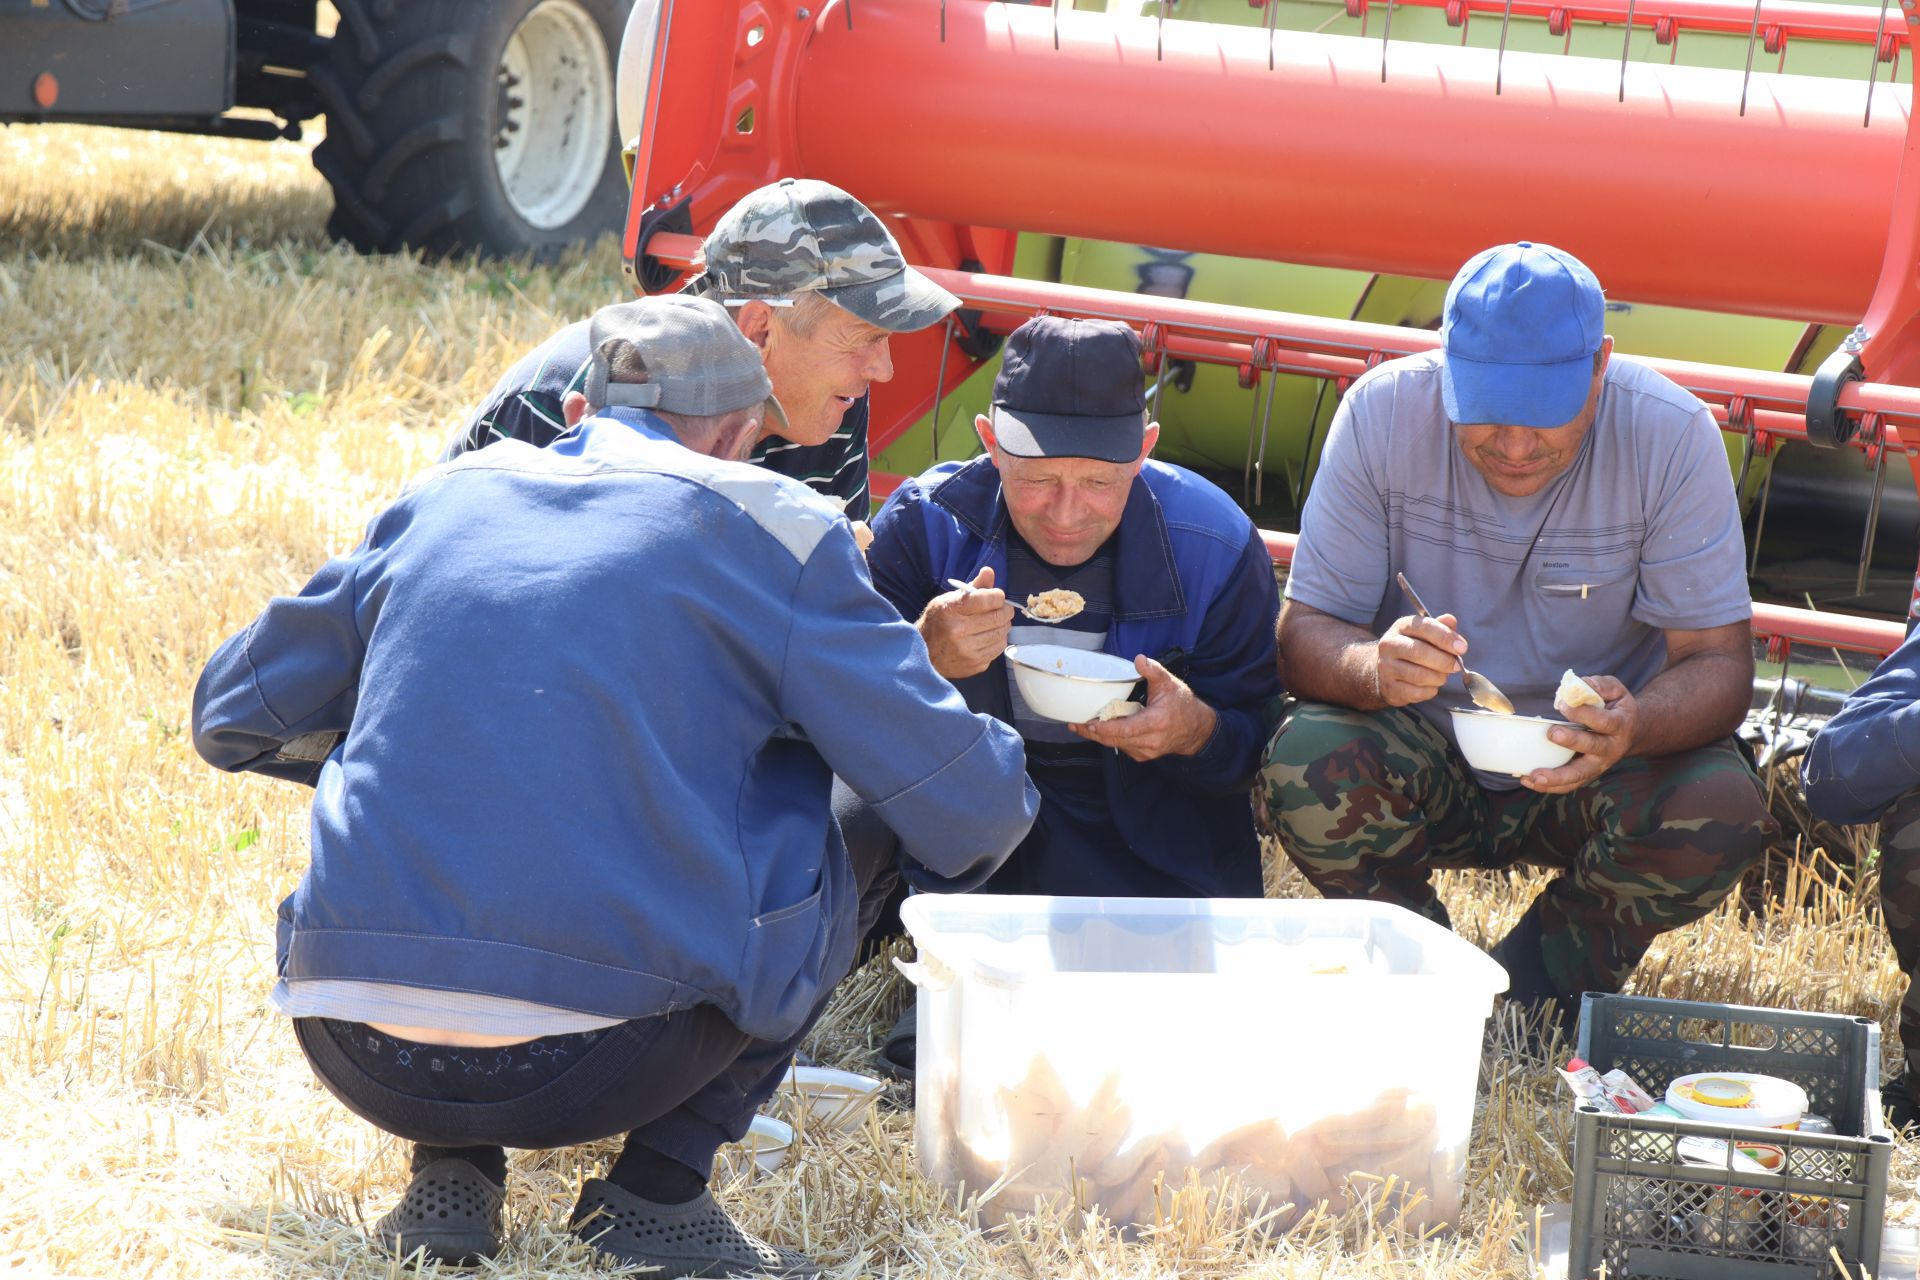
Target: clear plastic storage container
1314	1050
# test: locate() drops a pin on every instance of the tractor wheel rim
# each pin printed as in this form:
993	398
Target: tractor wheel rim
554	113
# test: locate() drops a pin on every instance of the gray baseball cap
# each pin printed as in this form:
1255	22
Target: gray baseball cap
677	353
801	235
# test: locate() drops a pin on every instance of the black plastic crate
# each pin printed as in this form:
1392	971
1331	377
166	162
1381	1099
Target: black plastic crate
1643	1215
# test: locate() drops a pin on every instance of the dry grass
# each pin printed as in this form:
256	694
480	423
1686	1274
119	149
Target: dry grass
199	400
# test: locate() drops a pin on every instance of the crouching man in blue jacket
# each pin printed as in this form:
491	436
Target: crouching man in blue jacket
1174	578
1865	767
575	872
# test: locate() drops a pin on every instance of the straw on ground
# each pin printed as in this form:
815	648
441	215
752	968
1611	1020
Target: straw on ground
200	400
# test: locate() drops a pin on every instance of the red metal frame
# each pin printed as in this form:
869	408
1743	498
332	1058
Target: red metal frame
955	120
1328	348
1777	20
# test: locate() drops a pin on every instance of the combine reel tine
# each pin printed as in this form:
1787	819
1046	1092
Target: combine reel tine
1626	47
1500	62
1752	34
1746	459
1272	20
1159	378
943	21
1877	441
940	384
1253	425
1386	34
1873	79
847	6
1306	450
1253	476
1266	422
1055	6
1760	520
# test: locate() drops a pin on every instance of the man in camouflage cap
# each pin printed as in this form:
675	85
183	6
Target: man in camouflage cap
802	236
818	284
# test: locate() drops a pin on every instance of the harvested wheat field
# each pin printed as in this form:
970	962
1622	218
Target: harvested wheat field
200	399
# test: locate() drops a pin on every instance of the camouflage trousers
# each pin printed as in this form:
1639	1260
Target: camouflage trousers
1900	904
1368	804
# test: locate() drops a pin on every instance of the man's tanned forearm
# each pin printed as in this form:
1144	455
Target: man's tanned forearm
1701	696
1329	660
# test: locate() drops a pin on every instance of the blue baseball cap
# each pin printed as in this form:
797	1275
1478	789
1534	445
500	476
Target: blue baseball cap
1522	325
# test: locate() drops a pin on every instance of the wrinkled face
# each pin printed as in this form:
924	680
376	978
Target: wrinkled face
1064	507
1521	461
819	374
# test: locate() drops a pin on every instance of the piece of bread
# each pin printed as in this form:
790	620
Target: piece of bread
1575	692
1118	709
862	535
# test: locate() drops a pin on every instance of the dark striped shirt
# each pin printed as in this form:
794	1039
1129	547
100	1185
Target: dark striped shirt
525	405
1076	829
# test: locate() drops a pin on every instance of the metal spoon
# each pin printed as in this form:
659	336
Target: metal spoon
1484	692
958	585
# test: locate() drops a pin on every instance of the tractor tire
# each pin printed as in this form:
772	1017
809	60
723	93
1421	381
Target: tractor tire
483	126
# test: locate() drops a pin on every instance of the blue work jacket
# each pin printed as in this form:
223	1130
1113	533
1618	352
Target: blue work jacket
1193	589
589	701
1868	755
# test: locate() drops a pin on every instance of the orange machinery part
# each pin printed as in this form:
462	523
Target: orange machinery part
1671	196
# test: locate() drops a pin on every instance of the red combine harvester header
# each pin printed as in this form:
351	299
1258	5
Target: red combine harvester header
965	123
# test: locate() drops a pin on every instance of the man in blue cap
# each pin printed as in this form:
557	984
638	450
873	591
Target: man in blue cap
1574	513
1172	577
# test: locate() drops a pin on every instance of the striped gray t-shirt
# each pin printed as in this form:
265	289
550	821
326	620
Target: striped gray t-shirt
1639	535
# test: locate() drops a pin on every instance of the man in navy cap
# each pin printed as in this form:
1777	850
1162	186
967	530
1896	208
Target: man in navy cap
1174	578
1569	511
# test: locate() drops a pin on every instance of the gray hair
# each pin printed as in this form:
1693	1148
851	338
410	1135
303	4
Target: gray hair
809	309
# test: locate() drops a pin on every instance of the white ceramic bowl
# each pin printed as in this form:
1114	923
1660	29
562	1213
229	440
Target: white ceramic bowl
1069	685
835	1099
767	1143
1515	745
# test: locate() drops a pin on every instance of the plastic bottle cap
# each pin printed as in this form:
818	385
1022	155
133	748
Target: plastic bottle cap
1718	1091
1576	1064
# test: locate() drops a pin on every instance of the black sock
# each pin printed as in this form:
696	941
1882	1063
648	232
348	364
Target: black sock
491	1161
655	1177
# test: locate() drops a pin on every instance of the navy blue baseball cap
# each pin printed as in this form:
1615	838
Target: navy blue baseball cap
1522	325
1071	388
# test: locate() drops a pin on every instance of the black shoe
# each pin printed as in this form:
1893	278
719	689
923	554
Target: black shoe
900	1050
450	1214
1551	1016
1896	1097
695	1239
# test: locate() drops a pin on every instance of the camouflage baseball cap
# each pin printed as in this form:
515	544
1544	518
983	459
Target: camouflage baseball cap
677	353
801	235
